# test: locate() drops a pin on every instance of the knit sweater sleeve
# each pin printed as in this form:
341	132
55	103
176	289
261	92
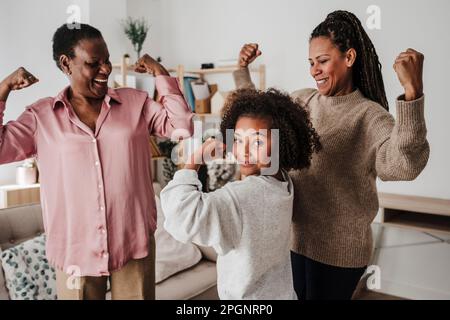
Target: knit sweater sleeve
401	148
208	219
242	79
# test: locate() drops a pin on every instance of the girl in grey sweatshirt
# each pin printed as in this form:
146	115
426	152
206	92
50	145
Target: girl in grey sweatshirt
247	222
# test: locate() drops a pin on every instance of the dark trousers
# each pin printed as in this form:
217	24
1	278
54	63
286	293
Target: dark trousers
317	281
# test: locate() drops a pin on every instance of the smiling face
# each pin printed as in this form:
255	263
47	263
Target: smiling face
90	68
252	144
330	68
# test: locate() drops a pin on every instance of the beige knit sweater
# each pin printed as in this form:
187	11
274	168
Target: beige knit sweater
335	200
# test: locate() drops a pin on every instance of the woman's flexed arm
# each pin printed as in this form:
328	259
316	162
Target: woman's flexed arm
249	52
402	150
171	113
16	137
17	80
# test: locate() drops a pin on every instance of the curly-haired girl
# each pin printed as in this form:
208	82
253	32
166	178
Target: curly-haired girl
248	222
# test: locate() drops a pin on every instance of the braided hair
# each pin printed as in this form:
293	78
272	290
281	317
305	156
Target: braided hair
345	30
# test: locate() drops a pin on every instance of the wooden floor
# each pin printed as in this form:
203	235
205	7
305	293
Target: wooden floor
365	294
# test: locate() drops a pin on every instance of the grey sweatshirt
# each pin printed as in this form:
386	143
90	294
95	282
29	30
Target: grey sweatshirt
247	222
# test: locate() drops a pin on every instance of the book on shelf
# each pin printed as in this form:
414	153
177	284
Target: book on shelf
188	93
200	90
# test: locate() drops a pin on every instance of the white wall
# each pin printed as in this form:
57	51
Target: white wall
107	15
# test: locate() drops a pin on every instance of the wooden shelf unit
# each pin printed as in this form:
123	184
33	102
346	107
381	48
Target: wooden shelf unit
125	67
414	212
201	73
181	72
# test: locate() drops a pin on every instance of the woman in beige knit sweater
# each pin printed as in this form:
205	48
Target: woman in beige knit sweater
336	198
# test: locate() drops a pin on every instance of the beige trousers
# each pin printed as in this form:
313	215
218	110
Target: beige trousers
134	281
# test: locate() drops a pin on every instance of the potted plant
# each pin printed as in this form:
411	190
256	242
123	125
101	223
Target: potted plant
136	30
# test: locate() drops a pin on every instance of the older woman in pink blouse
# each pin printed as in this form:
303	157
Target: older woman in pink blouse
92	147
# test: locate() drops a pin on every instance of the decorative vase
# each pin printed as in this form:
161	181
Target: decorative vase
26	175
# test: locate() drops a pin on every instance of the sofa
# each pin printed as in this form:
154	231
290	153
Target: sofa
19	224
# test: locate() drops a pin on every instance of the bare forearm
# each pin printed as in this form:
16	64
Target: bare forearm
161	71
242	79
4	91
413	93
17	80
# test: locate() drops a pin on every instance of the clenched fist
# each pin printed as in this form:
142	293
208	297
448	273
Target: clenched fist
147	64
248	54
17	80
409	69
210	150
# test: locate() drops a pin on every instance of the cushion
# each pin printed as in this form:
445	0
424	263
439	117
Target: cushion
28	274
191	283
172	256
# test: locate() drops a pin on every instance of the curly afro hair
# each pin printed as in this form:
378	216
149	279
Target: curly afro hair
298	138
